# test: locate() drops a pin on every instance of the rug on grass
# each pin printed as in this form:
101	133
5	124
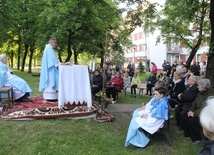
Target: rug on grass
41	109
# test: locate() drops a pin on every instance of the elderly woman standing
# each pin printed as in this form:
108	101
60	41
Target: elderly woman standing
207	121
21	89
191	120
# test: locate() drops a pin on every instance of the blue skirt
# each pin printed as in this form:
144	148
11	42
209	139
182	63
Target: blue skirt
135	136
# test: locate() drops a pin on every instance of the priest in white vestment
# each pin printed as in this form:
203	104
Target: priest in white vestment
49	78
150	118
7	79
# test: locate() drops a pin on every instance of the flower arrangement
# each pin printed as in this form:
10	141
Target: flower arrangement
103	99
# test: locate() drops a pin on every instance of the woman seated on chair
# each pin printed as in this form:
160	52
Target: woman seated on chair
150	83
126	82
150	118
115	85
136	83
20	86
177	87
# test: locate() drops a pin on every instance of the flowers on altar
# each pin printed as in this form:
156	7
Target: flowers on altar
103	99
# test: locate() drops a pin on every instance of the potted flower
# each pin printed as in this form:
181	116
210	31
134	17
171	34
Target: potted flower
103	99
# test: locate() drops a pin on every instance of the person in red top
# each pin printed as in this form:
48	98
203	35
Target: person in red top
115	85
154	68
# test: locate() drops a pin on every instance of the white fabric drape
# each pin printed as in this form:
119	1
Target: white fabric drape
74	85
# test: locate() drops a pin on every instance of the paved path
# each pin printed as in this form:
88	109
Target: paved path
113	108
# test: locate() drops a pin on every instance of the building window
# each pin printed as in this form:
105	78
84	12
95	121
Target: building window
199	57
142	47
135	36
141	35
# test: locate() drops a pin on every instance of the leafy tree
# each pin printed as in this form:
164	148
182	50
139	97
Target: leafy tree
174	20
21	31
174	28
80	28
141	67
210	63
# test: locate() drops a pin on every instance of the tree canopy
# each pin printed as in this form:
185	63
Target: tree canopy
189	22
79	26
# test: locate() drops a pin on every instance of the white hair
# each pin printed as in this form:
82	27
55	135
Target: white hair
52	39
194	78
2	56
207	115
205	83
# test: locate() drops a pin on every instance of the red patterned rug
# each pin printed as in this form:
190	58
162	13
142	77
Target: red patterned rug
41	109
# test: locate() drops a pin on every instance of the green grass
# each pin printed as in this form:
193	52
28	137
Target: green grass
143	76
83	137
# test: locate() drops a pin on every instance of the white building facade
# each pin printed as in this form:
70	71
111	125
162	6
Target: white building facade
146	50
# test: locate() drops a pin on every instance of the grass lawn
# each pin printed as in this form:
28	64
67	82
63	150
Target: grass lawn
83	137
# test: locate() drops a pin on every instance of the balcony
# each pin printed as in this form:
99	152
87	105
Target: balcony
174	49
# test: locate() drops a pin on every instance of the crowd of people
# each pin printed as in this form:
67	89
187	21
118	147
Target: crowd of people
186	92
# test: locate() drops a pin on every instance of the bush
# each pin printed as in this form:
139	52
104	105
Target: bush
141	67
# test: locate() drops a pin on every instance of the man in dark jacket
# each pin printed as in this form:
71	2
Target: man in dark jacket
150	83
186	98
168	69
97	83
195	69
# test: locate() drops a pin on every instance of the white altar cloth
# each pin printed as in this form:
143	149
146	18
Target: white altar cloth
74	85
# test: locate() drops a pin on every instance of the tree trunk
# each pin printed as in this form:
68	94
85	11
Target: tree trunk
19	53
59	50
210	62
25	56
12	58
192	54
102	55
75	56
197	46
69	47
31	57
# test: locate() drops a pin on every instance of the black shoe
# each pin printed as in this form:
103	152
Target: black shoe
23	100
54	100
18	100
131	95
150	94
134	96
146	94
27	100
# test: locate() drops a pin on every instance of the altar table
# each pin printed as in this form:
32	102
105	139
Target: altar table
74	85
